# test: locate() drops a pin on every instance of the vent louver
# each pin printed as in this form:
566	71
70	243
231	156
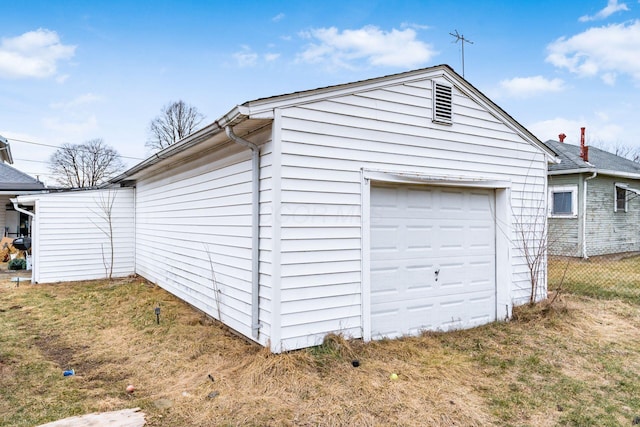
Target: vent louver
442	103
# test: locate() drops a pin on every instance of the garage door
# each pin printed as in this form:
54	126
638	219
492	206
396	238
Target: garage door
432	259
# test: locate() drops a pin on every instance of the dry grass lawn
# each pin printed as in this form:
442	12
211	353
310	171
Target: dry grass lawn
574	363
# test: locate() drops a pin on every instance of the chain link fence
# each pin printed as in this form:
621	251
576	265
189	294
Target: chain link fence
606	275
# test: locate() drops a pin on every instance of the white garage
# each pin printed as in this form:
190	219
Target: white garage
432	258
377	208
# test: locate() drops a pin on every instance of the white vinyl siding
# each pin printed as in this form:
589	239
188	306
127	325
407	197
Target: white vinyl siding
200	210
193	234
325	146
69	239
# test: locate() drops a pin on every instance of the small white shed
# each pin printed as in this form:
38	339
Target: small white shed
377	208
73	234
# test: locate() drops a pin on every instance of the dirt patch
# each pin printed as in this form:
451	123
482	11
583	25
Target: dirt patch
52	347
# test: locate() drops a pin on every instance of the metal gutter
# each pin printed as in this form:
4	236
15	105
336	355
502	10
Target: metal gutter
19	209
619	174
33	216
255	228
234	116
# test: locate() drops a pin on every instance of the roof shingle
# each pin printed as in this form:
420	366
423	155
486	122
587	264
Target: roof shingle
13	179
599	160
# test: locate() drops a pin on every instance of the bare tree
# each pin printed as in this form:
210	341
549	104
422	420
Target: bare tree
85	165
532	234
105	213
619	149
177	120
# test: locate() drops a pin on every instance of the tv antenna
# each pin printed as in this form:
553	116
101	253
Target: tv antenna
460	37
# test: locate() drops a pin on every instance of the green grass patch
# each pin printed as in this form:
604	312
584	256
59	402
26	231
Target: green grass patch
574	363
597	277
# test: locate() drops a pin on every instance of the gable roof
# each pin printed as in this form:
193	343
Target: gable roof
253	115
262	105
600	161
11	179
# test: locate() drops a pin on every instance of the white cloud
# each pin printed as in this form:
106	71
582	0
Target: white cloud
609	78
525	87
62	78
600	51
82	100
598	131
246	57
415	26
279	17
34	54
611	8
378	48
72	129
550	129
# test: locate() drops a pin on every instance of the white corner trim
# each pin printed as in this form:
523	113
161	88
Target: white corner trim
365	253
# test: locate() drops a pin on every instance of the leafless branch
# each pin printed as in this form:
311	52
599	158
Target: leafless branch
105	213
177	120
85	165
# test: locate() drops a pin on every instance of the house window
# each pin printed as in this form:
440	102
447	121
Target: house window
620	204
562	201
442	103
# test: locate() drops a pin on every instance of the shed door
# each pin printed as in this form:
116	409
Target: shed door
432	259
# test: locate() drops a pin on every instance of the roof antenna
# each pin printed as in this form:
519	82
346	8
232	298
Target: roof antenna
458	37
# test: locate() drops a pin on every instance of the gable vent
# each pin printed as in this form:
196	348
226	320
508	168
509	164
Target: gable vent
442	103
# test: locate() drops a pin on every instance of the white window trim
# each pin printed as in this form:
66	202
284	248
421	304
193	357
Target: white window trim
615	196
573	189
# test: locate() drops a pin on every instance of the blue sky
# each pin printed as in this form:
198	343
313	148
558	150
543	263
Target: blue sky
71	71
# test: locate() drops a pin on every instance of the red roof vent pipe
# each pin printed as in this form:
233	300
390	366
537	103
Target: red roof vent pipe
561	137
584	150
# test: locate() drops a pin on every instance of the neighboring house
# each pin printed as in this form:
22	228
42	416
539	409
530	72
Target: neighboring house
594	202
377	208
13	183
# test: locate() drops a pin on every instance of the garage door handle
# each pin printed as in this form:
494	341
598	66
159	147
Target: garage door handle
437	272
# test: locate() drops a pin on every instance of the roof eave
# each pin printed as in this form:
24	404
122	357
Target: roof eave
607	172
552	156
5	151
266	105
233	117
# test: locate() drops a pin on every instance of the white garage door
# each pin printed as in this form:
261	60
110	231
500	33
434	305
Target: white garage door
432	259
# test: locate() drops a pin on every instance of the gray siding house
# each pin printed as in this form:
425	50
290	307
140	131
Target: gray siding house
594	202
13	183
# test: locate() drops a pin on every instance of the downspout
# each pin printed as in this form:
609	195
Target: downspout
255	228
584	216
30	214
